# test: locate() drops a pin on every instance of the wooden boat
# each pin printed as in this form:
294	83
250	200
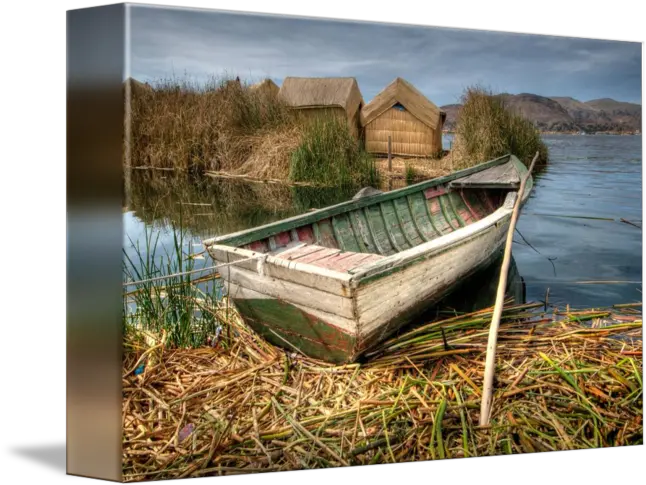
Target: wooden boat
334	282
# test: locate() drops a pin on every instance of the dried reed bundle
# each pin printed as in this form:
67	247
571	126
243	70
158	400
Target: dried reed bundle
247	406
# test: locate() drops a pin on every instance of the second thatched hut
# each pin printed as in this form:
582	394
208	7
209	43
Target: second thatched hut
412	121
267	87
316	97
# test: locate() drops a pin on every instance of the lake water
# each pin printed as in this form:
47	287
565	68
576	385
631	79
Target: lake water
588	257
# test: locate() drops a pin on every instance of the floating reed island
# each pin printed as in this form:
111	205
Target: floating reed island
565	380
314	130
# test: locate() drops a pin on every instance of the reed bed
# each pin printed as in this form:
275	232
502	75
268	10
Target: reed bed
487	128
413	170
224	125
565	380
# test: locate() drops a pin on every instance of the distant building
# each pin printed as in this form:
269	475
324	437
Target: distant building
316	97
412	121
266	87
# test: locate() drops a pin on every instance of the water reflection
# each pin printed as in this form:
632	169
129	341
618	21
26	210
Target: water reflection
209	207
589	176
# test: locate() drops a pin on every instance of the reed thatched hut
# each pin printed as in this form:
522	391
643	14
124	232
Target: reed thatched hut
327	96
265	88
413	122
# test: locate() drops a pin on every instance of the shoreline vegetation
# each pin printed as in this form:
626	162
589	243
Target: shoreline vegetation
226	128
236	404
205	395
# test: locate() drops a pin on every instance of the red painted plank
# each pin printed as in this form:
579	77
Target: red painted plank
434	192
485	195
333	261
324	253
474	213
305	234
258	246
356	260
371	258
435	207
466	216
282	239
293	254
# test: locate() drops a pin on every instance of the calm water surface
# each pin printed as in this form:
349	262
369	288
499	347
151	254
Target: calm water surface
572	218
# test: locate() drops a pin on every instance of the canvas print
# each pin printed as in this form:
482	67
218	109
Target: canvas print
351	243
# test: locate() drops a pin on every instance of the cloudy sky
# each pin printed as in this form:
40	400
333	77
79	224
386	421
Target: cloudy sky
440	62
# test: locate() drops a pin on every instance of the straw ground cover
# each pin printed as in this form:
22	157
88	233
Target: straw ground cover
568	380
413	169
488	129
225	126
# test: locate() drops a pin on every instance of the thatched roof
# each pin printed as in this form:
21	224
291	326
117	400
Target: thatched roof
266	85
318	92
402	92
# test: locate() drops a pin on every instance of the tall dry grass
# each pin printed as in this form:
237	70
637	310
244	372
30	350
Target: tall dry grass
212	126
223	125
487	128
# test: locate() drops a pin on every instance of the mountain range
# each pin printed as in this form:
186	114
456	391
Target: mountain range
567	115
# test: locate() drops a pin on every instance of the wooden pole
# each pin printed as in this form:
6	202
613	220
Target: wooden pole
490	363
390	158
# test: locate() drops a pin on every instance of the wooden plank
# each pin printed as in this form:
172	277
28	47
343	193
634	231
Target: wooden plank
398	262
262	232
291	327
418	218
371	258
332	259
324	253
391	224
305	234
484	197
307	274
282	238
356	260
289	249
384	299
434	192
449	216
344	234
439	219
378	230
406	222
227	254
504	175
258	246
326	234
361	225
453	199
289	291
298	252
437	231
474	208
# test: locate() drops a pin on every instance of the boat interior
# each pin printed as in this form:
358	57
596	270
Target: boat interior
359	236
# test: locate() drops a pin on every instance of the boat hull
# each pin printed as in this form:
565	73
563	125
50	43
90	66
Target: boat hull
374	309
387	305
334	283
293	327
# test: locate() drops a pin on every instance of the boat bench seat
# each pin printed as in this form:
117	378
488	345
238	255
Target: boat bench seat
334	259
